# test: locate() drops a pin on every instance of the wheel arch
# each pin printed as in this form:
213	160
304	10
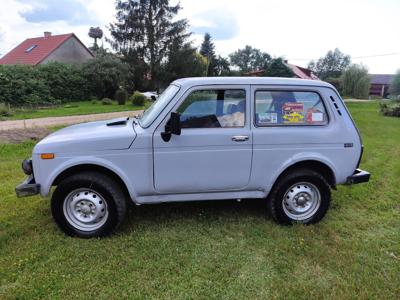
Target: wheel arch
320	167
90	167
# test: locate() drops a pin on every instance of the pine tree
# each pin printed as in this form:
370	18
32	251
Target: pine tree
207	49
142	34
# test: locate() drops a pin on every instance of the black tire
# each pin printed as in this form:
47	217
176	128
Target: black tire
101	184
275	200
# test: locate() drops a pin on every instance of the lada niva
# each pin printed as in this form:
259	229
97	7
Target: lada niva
288	141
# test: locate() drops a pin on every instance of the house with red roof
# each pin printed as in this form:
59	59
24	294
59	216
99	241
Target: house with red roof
65	48
299	72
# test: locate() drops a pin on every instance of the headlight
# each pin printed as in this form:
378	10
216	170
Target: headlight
27	166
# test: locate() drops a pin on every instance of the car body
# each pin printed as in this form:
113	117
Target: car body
210	139
152	96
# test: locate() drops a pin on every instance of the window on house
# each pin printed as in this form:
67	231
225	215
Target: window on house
213	109
289	108
30	48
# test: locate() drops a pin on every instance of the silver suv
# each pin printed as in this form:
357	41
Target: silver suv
288	141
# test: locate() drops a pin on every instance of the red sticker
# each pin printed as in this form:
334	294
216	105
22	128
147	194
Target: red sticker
314	116
293	107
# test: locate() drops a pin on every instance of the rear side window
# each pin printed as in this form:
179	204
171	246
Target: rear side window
289	108
213	109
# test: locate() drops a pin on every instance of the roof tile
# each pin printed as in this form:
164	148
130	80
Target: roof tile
44	47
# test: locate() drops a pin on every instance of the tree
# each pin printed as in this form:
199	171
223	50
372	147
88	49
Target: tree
394	89
207	49
105	74
250	59
95	33
277	68
142	34
355	82
331	65
222	66
183	61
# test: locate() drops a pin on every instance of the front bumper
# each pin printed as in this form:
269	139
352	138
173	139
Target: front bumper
27	188
359	176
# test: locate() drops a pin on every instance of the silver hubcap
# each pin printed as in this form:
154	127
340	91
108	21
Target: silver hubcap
301	201
85	209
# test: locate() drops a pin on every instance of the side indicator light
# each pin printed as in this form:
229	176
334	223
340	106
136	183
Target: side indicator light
47	155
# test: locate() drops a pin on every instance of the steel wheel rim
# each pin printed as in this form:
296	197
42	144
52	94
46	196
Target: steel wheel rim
301	201
85	209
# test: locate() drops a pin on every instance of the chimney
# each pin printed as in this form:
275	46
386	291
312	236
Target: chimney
47	34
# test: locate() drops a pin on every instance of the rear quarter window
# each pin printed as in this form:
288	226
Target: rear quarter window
289	108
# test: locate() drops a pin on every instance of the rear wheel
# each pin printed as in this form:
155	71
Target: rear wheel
301	196
88	205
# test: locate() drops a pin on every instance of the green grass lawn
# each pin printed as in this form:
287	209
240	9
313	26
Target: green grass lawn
218	250
72	109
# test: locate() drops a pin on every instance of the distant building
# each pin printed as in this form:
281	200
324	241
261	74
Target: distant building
65	48
299	72
379	84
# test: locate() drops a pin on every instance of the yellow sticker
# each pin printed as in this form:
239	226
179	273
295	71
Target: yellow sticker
293	117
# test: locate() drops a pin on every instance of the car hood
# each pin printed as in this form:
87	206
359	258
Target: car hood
115	134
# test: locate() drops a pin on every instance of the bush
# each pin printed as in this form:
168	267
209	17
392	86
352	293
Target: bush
121	96
4	110
390	109
94	102
106	101
51	83
138	99
355	82
105	74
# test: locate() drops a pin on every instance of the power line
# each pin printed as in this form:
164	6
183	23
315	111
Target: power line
353	57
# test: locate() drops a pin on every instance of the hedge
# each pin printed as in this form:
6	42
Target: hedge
54	83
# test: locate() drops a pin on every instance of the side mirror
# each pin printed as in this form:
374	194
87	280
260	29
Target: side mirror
173	126
153	98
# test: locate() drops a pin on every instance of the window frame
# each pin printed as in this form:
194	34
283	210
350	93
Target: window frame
195	89
294	90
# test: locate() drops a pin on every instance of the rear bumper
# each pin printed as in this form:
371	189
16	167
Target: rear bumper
359	176
27	188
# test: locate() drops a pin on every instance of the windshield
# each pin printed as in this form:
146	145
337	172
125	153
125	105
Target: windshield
154	110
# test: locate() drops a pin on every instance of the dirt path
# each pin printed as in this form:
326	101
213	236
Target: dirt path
55	121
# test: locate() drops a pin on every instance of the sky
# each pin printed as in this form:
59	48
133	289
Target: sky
367	30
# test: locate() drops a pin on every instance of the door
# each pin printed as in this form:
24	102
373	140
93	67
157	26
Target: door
214	150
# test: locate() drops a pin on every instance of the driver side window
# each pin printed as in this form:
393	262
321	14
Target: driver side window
213	109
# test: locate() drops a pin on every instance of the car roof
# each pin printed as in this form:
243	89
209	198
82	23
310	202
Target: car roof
193	81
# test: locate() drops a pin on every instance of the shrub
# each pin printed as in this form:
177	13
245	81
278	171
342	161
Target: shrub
5	110
121	96
355	82
105	74
138	99
390	109
94	102
106	101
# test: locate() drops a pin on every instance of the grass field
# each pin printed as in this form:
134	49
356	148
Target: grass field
222	250
72	109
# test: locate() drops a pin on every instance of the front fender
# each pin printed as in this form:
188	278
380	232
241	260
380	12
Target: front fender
50	169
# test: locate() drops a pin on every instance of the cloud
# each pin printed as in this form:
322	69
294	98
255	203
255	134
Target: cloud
220	26
72	12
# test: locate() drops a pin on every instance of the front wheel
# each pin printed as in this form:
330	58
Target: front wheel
88	205
301	196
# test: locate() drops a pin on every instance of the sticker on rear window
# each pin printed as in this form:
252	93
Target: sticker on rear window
293	112
314	116
268	118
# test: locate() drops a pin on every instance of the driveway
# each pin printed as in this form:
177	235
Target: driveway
68	120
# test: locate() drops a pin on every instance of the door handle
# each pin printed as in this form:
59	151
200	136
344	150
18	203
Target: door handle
240	138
